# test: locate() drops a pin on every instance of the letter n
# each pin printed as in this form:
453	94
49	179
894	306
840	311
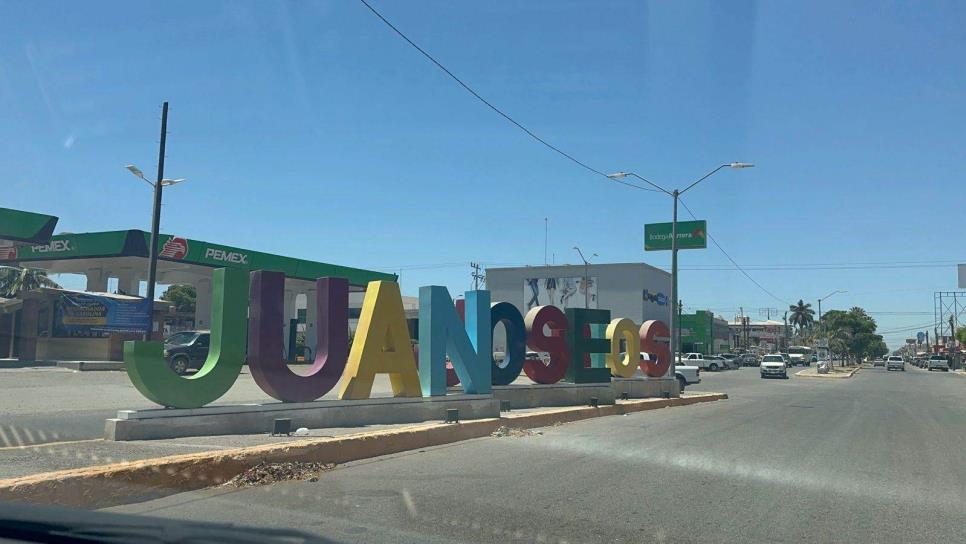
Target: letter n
441	332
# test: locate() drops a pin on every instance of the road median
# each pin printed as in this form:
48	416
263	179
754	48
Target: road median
135	481
836	373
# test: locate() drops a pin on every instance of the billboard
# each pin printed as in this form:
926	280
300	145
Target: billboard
691	235
88	315
566	292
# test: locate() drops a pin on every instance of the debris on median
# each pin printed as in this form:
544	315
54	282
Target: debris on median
268	473
503	430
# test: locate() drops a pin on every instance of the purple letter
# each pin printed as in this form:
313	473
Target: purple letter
265	361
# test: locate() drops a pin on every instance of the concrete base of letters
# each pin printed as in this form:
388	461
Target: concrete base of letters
558	394
258	418
645	388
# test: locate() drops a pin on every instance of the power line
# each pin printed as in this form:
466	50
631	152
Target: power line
500	112
740	269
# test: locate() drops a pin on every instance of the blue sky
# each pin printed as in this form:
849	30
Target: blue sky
309	129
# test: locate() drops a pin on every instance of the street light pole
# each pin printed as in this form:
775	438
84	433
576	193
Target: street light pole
675	195
824	328
586	276
156	223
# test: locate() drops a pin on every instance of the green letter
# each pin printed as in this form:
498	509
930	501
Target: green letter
229	308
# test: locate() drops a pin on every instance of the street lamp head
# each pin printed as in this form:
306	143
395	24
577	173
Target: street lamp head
618	175
594	255
135	170
577	248
168	182
741	165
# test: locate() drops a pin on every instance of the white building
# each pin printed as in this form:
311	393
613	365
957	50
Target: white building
636	291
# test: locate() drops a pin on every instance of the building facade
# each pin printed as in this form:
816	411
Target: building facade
703	332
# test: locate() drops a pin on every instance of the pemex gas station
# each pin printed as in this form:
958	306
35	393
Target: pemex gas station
32	323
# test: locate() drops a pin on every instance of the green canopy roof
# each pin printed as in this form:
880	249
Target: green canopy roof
134	243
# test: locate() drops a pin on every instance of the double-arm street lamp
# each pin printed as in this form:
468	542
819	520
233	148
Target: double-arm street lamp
586	276
156	217
675	194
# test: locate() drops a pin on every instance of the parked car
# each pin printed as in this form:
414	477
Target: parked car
186	350
687	375
774	365
938	362
749	359
725	363
896	362
699	360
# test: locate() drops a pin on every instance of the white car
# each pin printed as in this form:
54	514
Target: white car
773	365
896	362
937	362
687	375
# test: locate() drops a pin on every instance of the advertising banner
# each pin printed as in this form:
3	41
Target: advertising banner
85	314
560	292
691	235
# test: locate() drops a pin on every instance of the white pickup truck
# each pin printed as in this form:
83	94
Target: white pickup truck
698	360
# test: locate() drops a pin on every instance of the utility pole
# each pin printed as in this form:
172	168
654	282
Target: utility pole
680	309
546	238
586	276
156	223
477	276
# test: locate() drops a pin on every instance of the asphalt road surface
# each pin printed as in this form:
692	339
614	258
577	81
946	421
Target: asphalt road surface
875	458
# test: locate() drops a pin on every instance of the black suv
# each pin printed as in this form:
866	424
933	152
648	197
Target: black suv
186	350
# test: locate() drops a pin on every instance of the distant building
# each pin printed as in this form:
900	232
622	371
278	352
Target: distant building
768	335
703	332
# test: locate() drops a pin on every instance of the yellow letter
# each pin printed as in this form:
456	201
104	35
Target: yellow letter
381	346
617	330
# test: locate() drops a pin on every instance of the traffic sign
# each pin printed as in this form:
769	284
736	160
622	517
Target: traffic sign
691	235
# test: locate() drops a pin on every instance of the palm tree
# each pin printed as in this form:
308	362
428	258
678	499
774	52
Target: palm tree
15	280
802	315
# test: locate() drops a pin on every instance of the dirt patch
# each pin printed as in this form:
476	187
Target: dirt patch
269	473
512	431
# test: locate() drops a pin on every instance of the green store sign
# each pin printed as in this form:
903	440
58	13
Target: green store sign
691	235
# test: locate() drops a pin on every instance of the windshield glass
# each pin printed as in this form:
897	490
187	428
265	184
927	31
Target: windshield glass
477	271
180	338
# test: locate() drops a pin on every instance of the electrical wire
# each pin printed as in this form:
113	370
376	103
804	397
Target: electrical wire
737	266
500	112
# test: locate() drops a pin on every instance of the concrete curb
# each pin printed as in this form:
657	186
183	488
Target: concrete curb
136	481
828	376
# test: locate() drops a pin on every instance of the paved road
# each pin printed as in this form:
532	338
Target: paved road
49	404
875	458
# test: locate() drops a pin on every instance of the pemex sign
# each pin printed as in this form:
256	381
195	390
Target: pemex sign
246	324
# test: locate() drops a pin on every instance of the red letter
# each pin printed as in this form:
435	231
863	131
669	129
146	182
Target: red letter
655	341
555	344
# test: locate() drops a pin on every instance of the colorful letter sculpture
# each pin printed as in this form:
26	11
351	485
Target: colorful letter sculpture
269	370
555	344
149	371
456	344
623	366
655	341
381	346
516	342
581	343
441	332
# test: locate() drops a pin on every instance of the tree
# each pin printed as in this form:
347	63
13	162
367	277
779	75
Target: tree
182	296
802	315
961	336
852	333
14	280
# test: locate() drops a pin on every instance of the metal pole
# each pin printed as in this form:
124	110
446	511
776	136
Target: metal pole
586	285
155	224
674	281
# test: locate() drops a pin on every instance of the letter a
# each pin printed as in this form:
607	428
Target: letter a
381	346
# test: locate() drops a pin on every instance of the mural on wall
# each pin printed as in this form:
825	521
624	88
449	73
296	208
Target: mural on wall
567	292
